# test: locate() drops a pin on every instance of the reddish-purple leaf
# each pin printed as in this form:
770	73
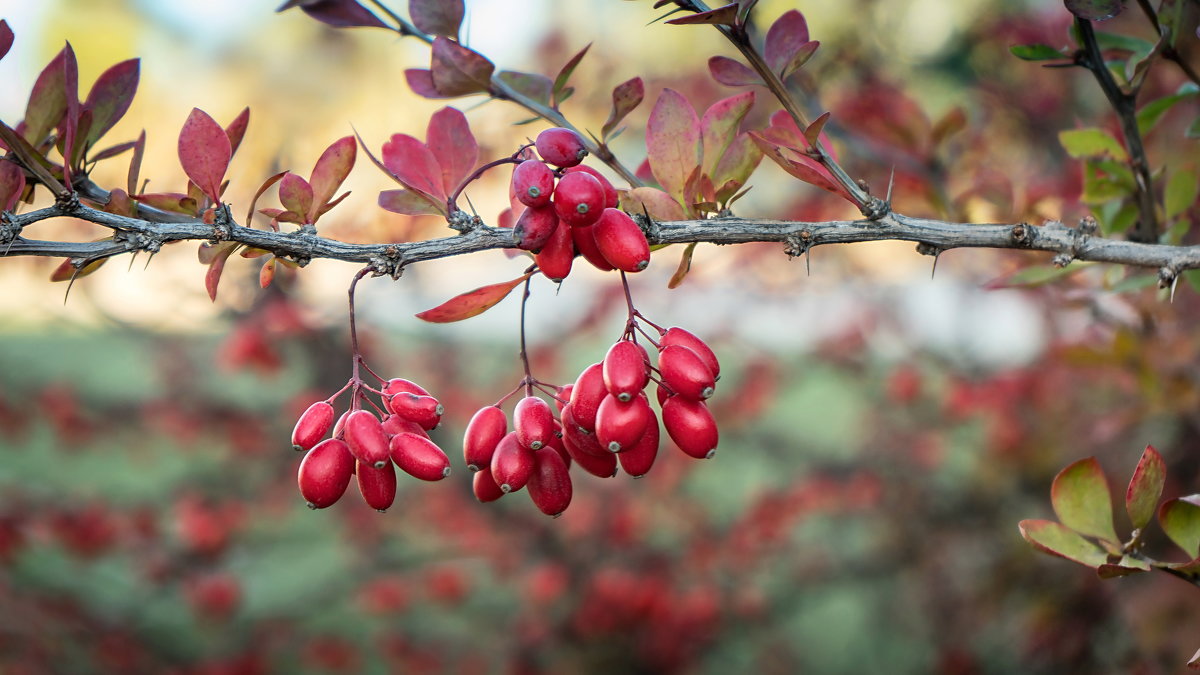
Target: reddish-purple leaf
458	71
110	97
1082	501
564	75
412	163
471	303
797	164
719	126
70	122
135	163
47	101
801	57
217	266
6	38
66	271
169	201
33	160
785	37
119	203
451	142
12	184
336	13
331	170
732	73
420	81
1145	487
813	133
533	85
625	97
236	130
410	203
113	151
1180	519
726	16
437	17
296	195
685	266
1094	10
673	141
1050	537
204	152
660	205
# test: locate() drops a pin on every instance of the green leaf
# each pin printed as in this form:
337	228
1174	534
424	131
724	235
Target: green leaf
1124	568
1153	111
1180	519
1052	538
1038	52
1193	131
1082	501
1034	276
1180	193
1091	142
1145	487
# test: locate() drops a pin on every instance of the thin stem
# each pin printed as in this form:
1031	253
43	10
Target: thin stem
515	158
520	385
405	27
356	357
528	380
631	320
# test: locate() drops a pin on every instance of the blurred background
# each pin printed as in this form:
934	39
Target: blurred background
883	429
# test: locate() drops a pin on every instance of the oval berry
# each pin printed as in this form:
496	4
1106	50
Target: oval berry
312	426
395	424
512	463
533	422
581	438
611	198
584	239
625	370
600	465
621	424
533	183
691	426
339	429
398	384
424	410
685	373
484	431
557	254
550	485
377	485
366	438
419	457
535	227
579	199
636	461
621	241
563	395
556	442
678	336
485	487
561	147
586	395
325	473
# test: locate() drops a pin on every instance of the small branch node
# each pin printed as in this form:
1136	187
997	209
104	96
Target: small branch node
1062	260
1088	225
68	203
876	208
389	263
1167	276
798	244
463	222
929	249
1021	234
9	229
222	224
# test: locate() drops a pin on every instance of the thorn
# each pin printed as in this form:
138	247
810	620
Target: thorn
147	265
472	206
131	259
807	261
1174	283
891	182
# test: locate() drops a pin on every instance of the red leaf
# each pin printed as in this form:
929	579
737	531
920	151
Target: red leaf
68	272
437	17
685	266
673	141
471	303
564	75
47	101
296	195
813	133
801	57
6	38
1145	487
12	184
110	97
458	71
113	151
720	125
70	123
204	152
135	163
412	163
169	201
237	130
625	97
267	273
409	203
217	265
420	81
336	13
785	38
799	165
451	142
726	16
732	73
331	170
658	204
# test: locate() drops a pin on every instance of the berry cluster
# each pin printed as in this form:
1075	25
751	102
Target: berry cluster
572	210
605	419
365	446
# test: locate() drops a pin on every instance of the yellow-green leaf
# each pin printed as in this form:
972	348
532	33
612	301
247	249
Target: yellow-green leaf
1082	501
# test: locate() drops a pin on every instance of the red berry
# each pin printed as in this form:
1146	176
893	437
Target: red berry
557	254
625	369
535	227
485	487
324	473
685	373
561	147
366	438
512	463
621	241
582	439
636	461
533	422
579	199
678	336
563	395
556	442
419	457
378	486
691	426
550	484
339	429
484	431
395	424
621	424
312	426
611	199
584	239
533	183
586	395
398	384
424	410
601	465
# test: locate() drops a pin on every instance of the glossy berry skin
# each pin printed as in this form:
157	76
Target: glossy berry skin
395	424
636	461
424	410
583	440
556	443
535	227
484	431
398	384
324	473
625	370
419	457
561	147
339	428
485	487
611	198
685	373
691	426
378	486
586	395
578	199
312	426
600	465
512	464
550	485
557	254
534	422
533	183
621	424
678	336
366	438
621	241
584	239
